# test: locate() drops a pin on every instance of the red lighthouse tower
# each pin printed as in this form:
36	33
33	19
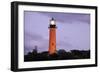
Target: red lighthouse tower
52	36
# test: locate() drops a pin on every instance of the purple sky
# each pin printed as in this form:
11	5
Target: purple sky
73	30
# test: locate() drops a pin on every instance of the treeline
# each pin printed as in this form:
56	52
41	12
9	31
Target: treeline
59	55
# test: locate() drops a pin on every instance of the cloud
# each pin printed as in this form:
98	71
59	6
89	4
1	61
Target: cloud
33	36
68	17
64	45
32	40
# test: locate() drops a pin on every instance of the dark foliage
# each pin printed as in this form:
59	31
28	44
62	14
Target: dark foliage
59	55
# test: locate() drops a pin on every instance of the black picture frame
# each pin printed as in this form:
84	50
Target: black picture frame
15	31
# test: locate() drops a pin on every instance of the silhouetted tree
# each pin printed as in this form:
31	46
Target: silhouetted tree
59	55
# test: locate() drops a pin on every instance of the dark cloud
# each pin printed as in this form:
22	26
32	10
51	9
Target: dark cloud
63	43
33	36
32	40
68	17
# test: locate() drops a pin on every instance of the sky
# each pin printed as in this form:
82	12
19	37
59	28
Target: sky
73	31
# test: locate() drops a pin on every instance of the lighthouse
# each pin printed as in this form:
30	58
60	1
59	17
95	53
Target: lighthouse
52	36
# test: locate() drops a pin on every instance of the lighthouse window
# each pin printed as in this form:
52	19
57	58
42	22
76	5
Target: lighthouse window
52	43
